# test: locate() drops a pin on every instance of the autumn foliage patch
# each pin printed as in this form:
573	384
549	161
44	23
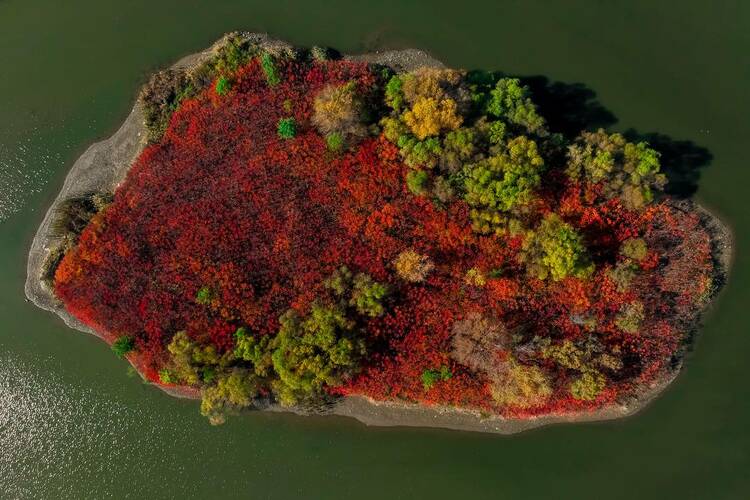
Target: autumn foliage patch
245	256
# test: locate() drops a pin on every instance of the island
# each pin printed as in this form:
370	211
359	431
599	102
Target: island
377	236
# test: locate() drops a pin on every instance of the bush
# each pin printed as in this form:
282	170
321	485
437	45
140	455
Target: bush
339	109
319	349
335	142
367	295
287	128
123	345
223	85
416	181
502	183
269	68
430	377
627	171
429	117
588	386
556	250
510	101
413	267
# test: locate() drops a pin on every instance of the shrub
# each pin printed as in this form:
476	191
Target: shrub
502	183
588	386
287	128
556	250
627	171
269	68
367	295
335	142
476	341
416	181
430	377
338	109
412	266
510	101
223	85
319	349
429	117
520	386
123	345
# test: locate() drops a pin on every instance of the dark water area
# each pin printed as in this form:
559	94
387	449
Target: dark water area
73	424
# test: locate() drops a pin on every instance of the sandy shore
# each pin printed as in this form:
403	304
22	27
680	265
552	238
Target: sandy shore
104	165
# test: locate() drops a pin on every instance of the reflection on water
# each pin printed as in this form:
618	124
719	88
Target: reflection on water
24	170
53	432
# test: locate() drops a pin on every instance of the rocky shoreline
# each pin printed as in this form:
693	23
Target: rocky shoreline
104	165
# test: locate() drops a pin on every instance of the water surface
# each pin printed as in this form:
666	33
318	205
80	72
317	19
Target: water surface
74	425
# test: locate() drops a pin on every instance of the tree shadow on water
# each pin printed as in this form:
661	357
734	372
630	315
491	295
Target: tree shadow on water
569	108
681	161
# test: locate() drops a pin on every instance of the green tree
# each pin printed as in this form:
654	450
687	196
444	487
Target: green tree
626	170
588	386
634	248
254	349
232	391
269	68
313	351
630	317
335	142
287	128
394	94
510	101
123	345
416	181
223	85
368	295
431	377
204	296
556	250
502	183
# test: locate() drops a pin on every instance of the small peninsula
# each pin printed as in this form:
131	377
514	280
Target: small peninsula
376	236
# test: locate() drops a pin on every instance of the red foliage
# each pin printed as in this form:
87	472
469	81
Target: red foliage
222	202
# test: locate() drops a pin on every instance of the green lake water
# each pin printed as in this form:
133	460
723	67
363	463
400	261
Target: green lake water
74	425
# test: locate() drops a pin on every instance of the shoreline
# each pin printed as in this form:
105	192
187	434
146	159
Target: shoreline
105	164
